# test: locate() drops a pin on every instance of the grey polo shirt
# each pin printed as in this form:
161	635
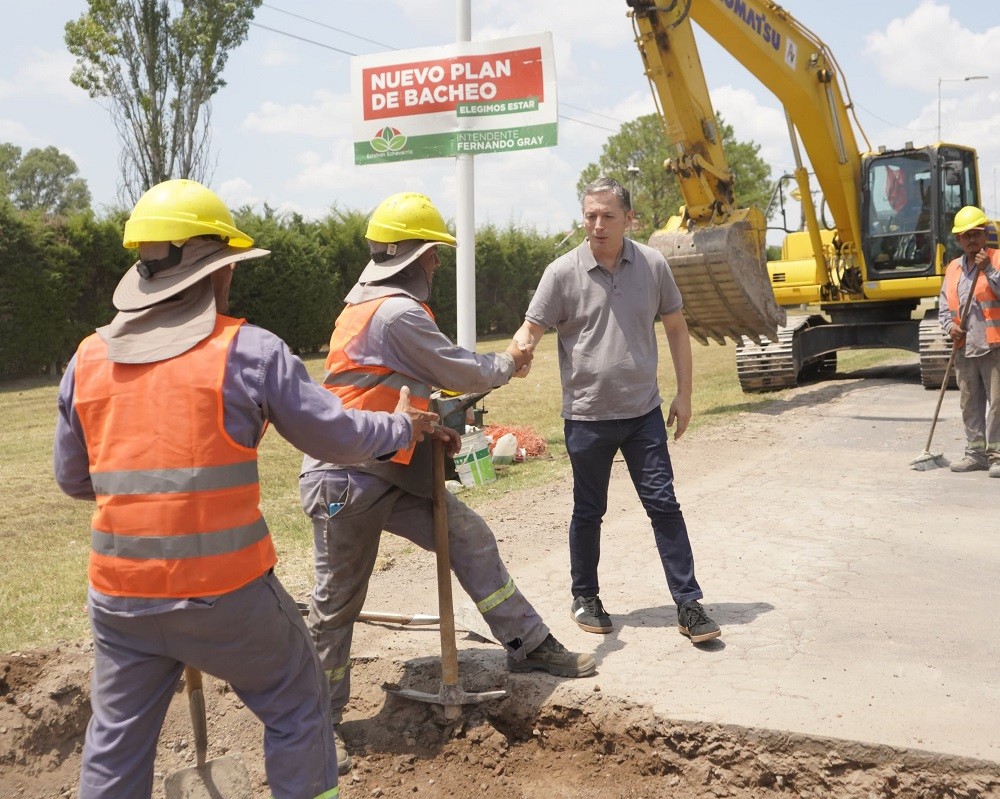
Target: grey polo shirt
605	323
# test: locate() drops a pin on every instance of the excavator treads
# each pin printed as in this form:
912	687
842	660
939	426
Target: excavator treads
770	365
722	275
935	350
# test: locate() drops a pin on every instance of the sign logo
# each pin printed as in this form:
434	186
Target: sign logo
791	54
475	97
388	140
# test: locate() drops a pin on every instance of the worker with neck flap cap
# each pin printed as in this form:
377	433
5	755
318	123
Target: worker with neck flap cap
160	414
386	337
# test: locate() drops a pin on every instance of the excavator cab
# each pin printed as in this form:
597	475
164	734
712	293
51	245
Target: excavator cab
910	198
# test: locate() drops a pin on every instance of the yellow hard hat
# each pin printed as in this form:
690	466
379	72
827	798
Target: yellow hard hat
176	210
969	218
408	216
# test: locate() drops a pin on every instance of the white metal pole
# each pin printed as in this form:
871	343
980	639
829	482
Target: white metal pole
465	219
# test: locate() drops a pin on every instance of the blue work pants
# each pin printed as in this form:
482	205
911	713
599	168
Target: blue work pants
255	639
592	447
349	512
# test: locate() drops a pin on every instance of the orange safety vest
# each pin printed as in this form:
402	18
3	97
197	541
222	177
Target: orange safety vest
364	386
177	499
984	296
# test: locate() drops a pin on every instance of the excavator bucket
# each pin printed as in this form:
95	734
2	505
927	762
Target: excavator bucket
722	274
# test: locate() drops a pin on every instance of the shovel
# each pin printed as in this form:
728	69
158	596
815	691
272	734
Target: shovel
450	695
467	618
218	778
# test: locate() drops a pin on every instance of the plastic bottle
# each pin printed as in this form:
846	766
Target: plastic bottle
505	448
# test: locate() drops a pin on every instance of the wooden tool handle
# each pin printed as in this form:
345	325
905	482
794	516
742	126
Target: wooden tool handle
196	706
446	613
962	322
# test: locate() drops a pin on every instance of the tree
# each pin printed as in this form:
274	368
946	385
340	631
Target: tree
656	196
160	72
42	180
10	157
509	263
47	180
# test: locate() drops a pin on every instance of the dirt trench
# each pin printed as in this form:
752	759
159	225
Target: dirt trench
528	746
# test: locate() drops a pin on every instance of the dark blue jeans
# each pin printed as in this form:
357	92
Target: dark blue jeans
592	447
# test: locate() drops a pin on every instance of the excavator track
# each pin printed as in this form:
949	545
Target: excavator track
724	281
935	350
771	365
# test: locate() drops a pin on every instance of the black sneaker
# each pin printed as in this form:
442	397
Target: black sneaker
693	621
590	615
553	657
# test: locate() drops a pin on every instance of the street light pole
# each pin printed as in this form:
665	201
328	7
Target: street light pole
953	80
632	170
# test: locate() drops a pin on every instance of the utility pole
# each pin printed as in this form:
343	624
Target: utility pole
953	80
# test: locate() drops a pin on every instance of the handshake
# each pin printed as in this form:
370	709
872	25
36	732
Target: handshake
522	352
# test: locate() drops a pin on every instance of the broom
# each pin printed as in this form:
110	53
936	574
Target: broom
927	461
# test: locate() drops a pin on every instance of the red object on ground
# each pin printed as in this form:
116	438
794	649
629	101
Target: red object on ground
527	439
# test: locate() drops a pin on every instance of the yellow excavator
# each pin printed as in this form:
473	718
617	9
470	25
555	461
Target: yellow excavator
867	266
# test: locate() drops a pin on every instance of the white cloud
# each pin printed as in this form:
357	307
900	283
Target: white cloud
237	192
329	115
752	121
932	51
46	75
14	131
931	43
279	56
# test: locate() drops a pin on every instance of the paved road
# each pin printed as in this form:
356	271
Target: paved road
858	597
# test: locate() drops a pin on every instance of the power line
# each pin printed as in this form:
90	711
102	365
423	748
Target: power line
581	122
380	44
328	27
303	39
594	113
893	124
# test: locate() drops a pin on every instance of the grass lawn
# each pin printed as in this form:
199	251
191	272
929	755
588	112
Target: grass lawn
43	560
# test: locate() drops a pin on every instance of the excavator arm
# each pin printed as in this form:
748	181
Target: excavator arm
798	68
673	67
717	249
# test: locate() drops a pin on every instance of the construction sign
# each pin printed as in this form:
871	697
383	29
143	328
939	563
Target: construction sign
469	98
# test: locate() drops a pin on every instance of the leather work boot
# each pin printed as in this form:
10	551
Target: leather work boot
553	657
970	464
343	756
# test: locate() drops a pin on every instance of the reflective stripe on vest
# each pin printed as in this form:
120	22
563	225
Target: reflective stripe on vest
172	481
177	499
368	387
984	296
177	547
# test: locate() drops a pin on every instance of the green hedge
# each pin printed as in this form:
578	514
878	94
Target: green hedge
57	276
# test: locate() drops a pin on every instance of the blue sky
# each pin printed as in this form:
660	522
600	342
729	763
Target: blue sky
282	125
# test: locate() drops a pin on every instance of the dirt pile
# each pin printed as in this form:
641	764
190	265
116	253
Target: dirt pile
529	745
